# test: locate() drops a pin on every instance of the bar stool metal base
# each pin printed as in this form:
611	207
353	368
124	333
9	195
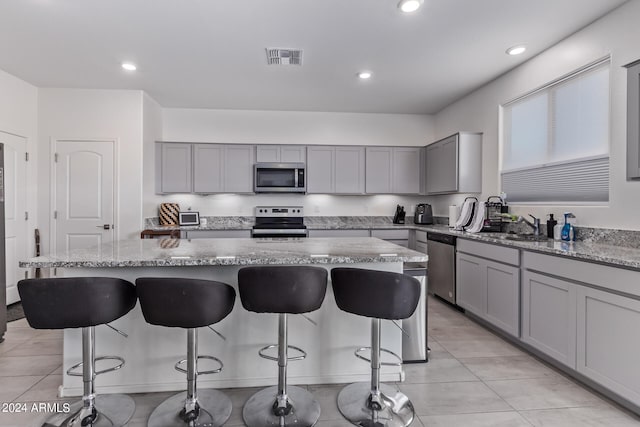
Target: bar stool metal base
215	409
258	411
113	410
353	403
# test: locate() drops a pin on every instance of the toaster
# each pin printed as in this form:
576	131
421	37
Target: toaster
423	214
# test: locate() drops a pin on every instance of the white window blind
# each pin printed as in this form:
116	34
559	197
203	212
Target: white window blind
556	140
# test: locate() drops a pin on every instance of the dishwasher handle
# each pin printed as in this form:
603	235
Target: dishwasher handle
447	239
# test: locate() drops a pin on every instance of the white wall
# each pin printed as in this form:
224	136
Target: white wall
80	113
616	34
151	132
287	127
19	116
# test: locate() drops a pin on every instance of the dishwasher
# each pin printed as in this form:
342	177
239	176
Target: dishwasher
441	267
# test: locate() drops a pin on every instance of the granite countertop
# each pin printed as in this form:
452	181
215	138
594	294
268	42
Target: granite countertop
607	246
264	251
615	255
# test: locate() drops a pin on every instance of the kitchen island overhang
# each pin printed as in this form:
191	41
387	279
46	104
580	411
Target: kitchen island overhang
151	351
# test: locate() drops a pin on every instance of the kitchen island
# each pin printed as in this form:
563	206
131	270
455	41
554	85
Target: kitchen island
151	351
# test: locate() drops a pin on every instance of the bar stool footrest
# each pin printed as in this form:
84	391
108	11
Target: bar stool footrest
383	350
72	370
207	372
262	353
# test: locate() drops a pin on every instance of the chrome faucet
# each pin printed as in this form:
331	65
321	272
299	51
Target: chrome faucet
535	225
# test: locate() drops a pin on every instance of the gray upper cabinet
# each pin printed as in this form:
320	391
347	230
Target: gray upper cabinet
633	120
208	168
281	153
335	170
393	170
349	170
379	164
454	164
173	168
238	168
320	169
406	170
204	168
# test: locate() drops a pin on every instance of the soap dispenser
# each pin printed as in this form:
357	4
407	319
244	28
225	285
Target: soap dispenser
551	223
568	232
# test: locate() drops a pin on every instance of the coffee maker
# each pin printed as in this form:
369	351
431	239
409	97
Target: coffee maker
423	214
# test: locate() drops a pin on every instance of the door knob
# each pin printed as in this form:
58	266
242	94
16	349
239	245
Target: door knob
105	226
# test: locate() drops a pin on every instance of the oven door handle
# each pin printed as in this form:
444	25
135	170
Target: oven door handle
299	231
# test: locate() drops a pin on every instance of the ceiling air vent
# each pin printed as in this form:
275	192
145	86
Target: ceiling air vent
279	56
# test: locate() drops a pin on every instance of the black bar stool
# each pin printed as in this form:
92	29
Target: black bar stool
283	290
189	304
83	302
379	295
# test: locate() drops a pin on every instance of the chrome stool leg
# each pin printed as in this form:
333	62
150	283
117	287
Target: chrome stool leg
207	407
281	405
375	404
110	410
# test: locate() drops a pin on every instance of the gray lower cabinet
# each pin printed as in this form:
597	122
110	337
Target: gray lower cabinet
173	168
607	341
397	237
488	283
216	234
418	241
549	316
454	164
281	153
471	293
339	233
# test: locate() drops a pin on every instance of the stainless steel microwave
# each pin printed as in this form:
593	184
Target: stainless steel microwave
279	178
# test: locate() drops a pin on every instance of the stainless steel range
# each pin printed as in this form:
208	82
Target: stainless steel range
279	221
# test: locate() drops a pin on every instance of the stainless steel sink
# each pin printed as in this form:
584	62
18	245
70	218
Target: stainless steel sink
524	237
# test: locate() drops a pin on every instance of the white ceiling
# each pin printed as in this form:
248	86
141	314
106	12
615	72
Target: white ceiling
210	53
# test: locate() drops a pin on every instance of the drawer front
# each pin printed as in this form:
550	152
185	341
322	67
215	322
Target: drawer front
216	234
404	243
493	252
390	234
338	233
421	236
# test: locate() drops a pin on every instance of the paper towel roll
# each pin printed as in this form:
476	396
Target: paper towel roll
453	215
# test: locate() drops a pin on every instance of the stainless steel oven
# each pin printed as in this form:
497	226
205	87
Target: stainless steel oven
279	221
279	178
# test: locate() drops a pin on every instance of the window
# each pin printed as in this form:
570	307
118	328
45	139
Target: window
556	140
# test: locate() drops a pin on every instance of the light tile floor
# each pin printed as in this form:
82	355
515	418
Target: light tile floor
474	379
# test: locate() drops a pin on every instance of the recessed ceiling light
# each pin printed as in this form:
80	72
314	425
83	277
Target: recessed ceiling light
408	6
129	66
364	75
516	50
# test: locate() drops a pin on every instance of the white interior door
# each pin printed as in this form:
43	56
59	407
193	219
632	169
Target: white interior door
15	182
84	194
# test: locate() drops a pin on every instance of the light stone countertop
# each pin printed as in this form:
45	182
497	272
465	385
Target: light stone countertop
263	251
606	246
614	255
